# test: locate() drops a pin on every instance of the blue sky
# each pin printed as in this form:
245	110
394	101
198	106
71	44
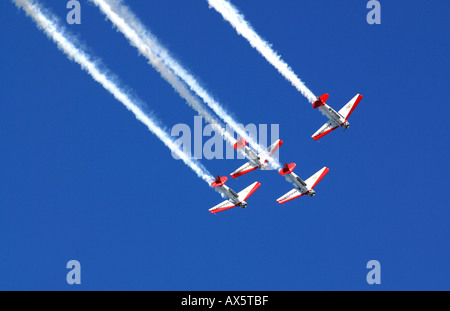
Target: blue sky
82	179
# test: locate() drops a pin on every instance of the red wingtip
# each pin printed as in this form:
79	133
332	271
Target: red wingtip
320	177
320	101
257	185
287	169
220	181
358	99
240	143
325	133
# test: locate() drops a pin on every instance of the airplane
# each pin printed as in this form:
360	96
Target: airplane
301	187
255	160
234	199
336	118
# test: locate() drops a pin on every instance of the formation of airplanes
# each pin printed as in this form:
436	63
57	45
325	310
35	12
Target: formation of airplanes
255	161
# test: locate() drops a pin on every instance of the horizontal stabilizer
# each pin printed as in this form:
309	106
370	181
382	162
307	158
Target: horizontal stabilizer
220	181
287	169
240	143
320	101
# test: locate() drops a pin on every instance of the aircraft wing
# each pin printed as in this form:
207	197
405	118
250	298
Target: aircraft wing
293	194
272	148
312	181
244	194
347	110
325	129
244	169
227	204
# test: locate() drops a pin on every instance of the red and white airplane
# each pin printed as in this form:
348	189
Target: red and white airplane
336	118
235	199
301	187
255	160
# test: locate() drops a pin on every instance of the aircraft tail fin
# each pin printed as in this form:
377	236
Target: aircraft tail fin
321	101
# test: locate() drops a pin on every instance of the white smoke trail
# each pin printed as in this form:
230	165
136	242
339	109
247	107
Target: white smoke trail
242	27
165	72
56	33
147	44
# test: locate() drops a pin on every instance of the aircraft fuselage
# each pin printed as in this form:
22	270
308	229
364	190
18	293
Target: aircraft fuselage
334	116
230	193
300	184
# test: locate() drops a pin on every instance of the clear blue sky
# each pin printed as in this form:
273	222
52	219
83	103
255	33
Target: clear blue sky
82	179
